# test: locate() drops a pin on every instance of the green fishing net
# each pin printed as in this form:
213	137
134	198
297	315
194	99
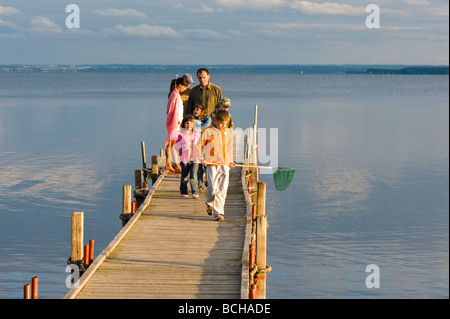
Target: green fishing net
282	177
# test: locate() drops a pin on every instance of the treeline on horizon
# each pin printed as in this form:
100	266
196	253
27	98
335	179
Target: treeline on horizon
412	70
180	69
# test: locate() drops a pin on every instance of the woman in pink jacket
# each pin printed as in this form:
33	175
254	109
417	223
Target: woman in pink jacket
174	117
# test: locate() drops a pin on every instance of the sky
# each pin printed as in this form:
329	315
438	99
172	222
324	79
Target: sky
411	32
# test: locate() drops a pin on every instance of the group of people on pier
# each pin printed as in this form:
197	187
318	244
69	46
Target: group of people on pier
199	139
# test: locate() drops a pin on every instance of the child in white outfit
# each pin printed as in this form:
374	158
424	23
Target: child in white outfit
217	146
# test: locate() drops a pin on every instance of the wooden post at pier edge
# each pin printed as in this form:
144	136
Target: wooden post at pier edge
34	287
138	179
261	248
27	291
126	204
261	199
77	237
261	241
155	172
144	158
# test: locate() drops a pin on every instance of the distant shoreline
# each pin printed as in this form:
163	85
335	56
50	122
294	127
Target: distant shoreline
407	70
288	69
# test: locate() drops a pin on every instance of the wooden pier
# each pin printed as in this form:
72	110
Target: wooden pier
171	248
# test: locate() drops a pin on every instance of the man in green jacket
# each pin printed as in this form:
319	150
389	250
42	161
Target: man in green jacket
206	93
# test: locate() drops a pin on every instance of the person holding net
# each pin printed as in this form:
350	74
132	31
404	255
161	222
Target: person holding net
217	156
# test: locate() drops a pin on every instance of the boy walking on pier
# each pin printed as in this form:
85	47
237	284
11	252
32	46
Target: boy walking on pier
217	155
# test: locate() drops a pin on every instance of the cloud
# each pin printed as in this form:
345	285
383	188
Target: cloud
327	8
8	10
44	25
204	8
202	34
210	35
250	4
8	24
417	2
146	31
129	13
439	12
296	26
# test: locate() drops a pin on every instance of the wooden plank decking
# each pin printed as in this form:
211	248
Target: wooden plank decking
174	249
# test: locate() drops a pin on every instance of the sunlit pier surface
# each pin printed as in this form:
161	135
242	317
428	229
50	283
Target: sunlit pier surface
174	249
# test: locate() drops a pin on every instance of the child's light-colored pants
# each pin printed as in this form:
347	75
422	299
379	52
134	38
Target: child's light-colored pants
216	192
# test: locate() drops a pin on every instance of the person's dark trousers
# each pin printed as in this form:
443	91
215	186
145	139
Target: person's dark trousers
201	171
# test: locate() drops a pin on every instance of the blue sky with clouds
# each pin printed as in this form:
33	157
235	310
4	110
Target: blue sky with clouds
224	32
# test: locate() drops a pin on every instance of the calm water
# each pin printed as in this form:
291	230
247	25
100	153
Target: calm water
371	186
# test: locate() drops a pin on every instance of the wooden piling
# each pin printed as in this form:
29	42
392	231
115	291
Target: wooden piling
155	165
144	159
76	255
253	289
141	188
91	250
251	263
261	199
34	287
138	179
27	291
261	250
253	182
133	207
261	240
86	257
126	205
126	199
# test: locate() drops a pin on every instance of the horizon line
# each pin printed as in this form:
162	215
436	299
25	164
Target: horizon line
229	64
